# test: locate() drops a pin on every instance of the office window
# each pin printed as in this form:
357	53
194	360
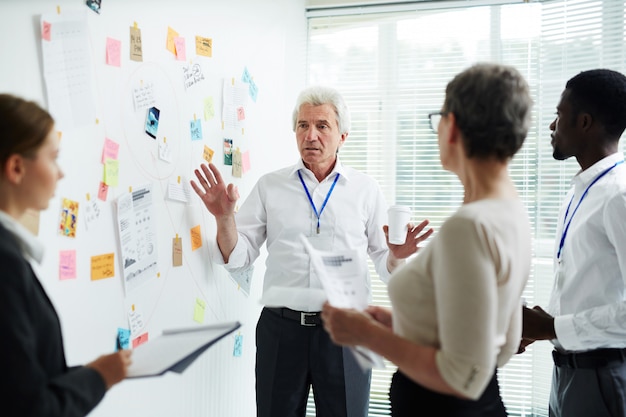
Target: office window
392	65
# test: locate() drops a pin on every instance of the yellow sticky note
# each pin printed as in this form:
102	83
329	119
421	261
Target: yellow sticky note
208	154
171	35
111	172
204	46
102	266
196	238
198	311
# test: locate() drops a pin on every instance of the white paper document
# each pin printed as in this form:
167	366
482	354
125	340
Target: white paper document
174	350
342	277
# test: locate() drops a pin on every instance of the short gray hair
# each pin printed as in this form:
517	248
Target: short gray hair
318	95
492	106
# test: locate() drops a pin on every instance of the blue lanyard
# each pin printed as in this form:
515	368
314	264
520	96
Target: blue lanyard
325	200
566	228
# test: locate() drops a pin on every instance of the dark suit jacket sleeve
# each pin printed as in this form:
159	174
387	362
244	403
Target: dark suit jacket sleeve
34	377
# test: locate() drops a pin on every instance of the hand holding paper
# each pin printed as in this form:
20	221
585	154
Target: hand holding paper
342	277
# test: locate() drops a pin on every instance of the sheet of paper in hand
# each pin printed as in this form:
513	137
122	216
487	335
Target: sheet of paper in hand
343	277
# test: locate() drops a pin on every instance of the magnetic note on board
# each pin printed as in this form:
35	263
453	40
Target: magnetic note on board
102	266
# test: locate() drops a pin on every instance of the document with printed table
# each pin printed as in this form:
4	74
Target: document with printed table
341	275
175	349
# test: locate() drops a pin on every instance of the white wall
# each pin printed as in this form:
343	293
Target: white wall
267	37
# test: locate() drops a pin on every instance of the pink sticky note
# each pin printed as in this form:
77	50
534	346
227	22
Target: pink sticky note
67	264
140	340
114	47
45	31
179	43
103	190
245	162
241	113
110	150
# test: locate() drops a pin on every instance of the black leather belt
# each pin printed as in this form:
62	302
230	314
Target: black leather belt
598	358
303	317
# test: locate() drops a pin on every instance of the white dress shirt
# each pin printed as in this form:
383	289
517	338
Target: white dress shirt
587	299
278	212
30	247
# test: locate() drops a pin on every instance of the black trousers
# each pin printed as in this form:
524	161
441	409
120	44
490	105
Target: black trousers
409	399
291	358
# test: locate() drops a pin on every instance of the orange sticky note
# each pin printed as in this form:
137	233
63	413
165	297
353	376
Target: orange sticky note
204	46
196	237
171	34
102	266
208	154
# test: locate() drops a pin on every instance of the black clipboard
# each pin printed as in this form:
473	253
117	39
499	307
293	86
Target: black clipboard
175	349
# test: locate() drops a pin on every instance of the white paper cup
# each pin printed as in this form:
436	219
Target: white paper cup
398	218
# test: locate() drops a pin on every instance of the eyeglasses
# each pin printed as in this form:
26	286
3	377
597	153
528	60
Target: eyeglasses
435	119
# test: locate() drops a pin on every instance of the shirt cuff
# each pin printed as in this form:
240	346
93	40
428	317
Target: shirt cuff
235	260
566	332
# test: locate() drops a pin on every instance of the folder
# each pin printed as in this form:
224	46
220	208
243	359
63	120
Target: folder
175	349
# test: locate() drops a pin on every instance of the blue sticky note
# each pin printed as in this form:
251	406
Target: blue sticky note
196	129
253	90
245	77
123	339
238	345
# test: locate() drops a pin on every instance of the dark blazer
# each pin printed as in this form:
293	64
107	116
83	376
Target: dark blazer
35	378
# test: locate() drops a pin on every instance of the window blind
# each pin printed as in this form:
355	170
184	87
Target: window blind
392	68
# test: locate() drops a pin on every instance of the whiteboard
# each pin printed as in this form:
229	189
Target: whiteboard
266	38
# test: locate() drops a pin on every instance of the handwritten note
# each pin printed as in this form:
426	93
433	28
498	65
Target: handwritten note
143	97
103	191
204	46
67	264
181	52
209	108
113	51
136	51
196	238
123	338
177	251
237	167
111	172
110	150
102	266
192	75
195	127
45	30
207	154
92	212
165	152
135	320
140	340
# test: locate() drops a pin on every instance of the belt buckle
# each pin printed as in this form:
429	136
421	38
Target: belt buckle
303	319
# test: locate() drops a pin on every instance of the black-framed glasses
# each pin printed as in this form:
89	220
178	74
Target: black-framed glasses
435	119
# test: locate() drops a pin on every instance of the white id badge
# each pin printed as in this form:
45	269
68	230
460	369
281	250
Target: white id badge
322	241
